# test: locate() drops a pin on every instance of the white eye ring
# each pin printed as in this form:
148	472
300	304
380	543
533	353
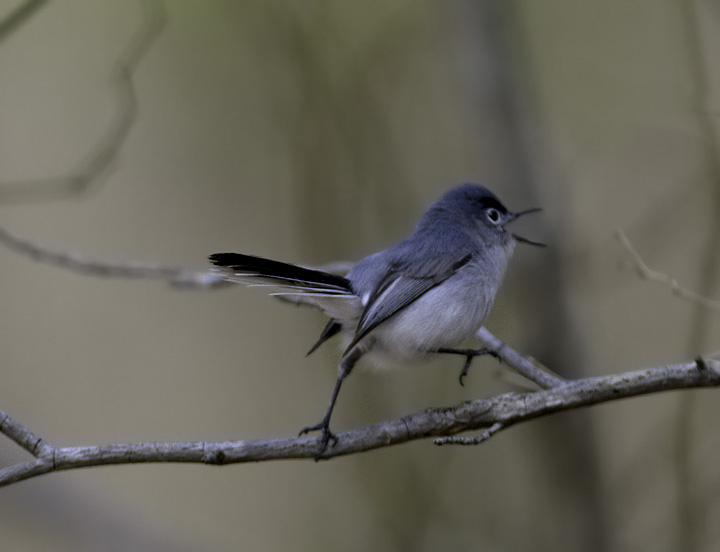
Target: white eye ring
493	216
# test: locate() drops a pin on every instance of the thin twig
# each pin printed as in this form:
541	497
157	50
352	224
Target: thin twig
654	276
23	436
529	369
177	276
481	438
106	149
497	413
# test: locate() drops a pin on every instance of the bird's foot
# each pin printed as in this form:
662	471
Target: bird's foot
469	355
325	437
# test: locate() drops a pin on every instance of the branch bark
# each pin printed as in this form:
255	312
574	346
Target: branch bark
491	415
528	368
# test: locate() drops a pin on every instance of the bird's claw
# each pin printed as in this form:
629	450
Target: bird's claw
469	356
325	437
464	371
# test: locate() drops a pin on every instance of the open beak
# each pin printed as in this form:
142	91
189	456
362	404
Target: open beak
516	216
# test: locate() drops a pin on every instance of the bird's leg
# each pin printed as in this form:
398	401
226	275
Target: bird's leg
346	366
469	355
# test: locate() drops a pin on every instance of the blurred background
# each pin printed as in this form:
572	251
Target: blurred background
319	131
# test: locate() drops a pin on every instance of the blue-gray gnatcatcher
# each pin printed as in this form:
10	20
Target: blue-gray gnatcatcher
425	295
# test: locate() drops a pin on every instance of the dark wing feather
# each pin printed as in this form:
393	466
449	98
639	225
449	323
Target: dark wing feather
399	288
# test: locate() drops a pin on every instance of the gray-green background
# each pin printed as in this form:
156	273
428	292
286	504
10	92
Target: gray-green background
317	131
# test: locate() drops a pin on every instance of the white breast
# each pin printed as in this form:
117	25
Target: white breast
445	316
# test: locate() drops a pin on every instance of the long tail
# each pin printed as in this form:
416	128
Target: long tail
322	290
251	270
328	292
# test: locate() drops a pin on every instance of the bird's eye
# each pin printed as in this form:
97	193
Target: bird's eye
493	215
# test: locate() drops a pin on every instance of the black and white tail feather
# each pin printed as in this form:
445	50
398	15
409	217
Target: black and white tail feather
328	292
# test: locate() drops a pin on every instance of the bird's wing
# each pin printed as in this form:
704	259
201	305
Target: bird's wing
402	285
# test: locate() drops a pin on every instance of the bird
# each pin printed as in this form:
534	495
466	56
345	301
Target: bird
426	295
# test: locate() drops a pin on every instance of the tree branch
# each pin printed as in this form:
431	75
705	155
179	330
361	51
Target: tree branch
493	415
526	367
183	277
176	276
647	273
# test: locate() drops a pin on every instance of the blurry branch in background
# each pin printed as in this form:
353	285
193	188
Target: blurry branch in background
19	16
647	273
490	415
105	150
176	276
334	115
